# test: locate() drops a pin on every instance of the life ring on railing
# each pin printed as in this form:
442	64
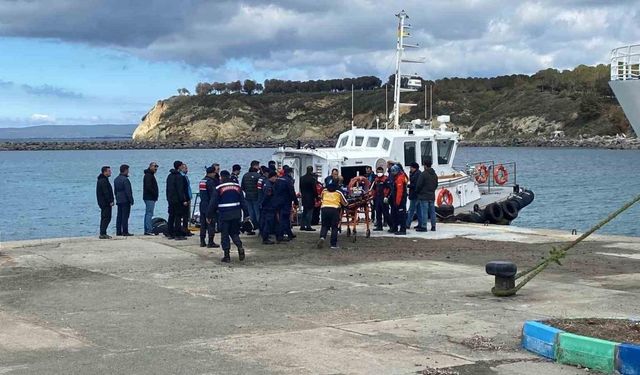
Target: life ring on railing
444	196
500	175
482	173
361	181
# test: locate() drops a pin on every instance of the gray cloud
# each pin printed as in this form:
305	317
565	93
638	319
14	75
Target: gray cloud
48	90
328	38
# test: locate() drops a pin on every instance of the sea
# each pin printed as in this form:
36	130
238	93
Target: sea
48	194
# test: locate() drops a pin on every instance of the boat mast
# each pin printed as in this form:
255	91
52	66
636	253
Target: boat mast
403	32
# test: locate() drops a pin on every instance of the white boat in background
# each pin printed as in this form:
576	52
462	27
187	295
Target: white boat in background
625	82
479	192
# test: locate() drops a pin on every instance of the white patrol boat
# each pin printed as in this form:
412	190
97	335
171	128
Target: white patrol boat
479	192
625	82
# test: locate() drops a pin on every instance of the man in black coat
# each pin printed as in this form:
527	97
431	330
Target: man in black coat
150	196
249	186
104	194
207	188
426	191
124	200
309	194
177	200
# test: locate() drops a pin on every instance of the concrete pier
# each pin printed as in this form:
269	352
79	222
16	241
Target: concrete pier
383	305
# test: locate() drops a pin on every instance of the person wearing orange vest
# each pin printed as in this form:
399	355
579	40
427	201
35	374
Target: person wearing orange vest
398	200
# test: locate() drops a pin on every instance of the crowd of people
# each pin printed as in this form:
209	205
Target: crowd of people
264	199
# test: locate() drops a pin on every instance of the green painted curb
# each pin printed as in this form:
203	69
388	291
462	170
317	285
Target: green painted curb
588	352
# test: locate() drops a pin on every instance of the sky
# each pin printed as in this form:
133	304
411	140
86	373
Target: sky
109	61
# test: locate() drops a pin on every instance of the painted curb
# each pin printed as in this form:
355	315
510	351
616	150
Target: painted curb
602	355
540	338
586	351
628	359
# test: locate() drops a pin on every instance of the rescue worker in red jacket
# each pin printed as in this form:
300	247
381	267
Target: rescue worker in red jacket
398	200
381	190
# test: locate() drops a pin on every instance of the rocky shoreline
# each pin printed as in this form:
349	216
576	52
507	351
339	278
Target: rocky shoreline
607	142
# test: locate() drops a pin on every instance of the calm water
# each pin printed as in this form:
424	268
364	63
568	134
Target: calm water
52	193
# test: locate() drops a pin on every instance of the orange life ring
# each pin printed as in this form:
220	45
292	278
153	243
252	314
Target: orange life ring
482	173
500	175
359	181
444	196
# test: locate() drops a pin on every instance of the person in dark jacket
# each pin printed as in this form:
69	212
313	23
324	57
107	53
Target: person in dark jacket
398	199
186	214
104	195
426	190
308	194
149	196
381	193
268	208
272	166
235	173
177	200
228	202
206	188
124	200
334	178
250	188
285	195
414	174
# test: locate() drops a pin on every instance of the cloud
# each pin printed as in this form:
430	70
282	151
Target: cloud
48	90
42	119
329	38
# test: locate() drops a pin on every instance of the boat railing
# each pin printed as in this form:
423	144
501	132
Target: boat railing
497	174
625	63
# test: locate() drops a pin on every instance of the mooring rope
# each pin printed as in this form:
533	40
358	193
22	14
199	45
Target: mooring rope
557	254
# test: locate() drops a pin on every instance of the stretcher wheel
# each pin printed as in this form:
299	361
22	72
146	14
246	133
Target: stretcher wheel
368	234
348	232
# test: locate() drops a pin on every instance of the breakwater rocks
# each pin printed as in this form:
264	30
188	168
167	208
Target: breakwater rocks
136	145
619	143
609	142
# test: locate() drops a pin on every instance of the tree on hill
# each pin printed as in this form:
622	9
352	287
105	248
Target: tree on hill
219	87
259	87
183	91
203	88
234	86
249	86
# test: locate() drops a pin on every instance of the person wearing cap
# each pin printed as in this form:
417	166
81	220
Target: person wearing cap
235	173
250	188
414	174
229	203
308	194
177	200
285	196
332	201
206	188
149	196
268	208
398	199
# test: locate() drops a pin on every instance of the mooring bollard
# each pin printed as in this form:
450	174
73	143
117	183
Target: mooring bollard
505	273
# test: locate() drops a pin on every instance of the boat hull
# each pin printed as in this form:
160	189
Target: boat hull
628	94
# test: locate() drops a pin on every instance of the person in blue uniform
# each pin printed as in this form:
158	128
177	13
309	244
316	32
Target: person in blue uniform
229	204
207	187
267	208
235	173
285	196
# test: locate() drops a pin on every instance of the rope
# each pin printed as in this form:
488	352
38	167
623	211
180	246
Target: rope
557	254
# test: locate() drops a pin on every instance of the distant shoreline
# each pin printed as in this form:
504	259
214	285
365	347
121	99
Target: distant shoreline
30	145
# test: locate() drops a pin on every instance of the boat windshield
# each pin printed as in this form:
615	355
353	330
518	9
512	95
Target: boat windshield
359	140
386	143
343	141
445	146
426	150
373	142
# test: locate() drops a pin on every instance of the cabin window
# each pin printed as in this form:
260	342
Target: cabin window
359	141
445	146
386	143
426	151
373	141
343	142
409	153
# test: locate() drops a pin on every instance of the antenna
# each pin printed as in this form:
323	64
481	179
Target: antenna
400	46
431	103
352	125
386	102
425	102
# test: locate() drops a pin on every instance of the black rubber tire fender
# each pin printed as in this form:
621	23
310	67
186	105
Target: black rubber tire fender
493	212
501	268
509	209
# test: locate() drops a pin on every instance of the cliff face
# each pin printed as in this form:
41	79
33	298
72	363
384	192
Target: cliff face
487	115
